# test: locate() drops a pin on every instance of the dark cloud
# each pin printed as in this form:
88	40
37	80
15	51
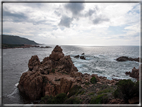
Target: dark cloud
75	8
65	21
22	17
13	16
92	11
100	19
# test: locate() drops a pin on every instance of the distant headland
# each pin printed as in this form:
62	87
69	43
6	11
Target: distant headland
10	41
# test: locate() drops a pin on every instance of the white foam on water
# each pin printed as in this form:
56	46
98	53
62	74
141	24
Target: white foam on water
16	84
24	71
12	94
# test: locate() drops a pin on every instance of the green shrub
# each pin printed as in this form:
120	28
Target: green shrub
44	79
105	91
80	92
93	80
92	93
74	90
127	89
99	99
47	100
53	71
60	98
73	100
87	83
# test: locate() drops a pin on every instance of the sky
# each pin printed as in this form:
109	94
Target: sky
90	24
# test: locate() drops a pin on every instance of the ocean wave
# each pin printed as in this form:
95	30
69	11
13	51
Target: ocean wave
13	93
16	84
24	71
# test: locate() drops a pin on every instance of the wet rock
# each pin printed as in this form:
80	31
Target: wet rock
82	57
125	58
83	54
77	56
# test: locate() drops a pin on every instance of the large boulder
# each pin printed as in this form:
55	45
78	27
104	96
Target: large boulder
30	84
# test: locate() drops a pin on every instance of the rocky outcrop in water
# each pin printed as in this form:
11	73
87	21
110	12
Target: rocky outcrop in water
55	74
49	77
125	58
81	57
135	73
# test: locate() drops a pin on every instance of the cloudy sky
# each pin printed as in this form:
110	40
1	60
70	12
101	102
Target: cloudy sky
97	24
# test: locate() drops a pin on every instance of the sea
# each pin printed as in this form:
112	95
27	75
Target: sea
100	60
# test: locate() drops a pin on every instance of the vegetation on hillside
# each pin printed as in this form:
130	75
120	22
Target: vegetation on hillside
9	39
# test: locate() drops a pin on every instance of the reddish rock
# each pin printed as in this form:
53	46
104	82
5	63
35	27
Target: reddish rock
31	84
50	77
116	101
34	63
65	85
135	73
134	100
56	54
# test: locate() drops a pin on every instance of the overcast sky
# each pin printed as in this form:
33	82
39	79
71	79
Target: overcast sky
97	24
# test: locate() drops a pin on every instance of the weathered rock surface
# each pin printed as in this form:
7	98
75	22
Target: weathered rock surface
55	74
135	73
125	58
41	79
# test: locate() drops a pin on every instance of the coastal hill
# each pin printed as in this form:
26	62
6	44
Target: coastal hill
16	40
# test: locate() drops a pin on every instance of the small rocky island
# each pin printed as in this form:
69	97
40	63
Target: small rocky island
125	58
56	80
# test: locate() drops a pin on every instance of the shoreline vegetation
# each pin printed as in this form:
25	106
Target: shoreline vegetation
12	46
56	80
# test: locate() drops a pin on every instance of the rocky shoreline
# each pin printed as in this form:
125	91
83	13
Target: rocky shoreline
57	78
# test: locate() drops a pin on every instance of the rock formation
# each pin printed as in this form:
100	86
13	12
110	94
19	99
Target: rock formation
135	72
49	77
81	57
55	74
125	58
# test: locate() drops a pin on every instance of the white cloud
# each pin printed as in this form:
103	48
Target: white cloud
60	23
